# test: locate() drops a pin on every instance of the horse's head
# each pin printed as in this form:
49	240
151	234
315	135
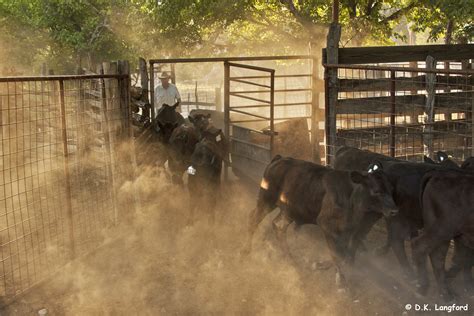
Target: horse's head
167	119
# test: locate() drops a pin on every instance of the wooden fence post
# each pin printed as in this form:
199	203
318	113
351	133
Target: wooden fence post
429	106
315	111
392	113
331	81
108	95
472	116
124	68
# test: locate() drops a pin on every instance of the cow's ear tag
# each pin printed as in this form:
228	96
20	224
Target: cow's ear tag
374	167
218	138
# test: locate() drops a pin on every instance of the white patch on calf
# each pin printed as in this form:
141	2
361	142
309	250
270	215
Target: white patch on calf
218	138
264	184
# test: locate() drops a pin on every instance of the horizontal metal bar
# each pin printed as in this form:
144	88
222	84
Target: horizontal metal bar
252	158
275	119
65	77
280	90
249	114
264	105
276	76
252	130
224	59
400	69
251	67
250	83
249	98
197	103
249	143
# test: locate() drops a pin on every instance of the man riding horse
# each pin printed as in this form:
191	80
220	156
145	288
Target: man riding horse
166	92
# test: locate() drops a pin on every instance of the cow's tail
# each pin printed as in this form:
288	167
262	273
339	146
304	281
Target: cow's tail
277	157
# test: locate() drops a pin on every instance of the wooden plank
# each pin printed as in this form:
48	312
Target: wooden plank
395	54
406	104
403	83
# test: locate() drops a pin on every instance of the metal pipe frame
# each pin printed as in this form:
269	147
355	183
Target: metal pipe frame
225	59
63	78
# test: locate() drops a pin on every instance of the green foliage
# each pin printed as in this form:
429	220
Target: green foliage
66	33
434	15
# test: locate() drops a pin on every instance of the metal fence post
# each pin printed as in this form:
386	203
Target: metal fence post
272	112
152	90
66	169
227	113
392	113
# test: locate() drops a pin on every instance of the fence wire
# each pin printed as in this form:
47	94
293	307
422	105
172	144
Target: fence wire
59	137
408	112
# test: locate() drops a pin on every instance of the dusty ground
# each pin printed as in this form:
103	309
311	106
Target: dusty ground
160	266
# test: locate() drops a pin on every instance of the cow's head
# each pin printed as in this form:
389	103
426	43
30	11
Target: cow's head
206	158
468	164
375	192
182	141
200	121
167	119
445	160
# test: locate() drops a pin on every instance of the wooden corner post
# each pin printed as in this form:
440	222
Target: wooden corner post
429	107
331	81
315	111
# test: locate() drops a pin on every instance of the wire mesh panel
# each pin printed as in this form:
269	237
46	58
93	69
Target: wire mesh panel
406	112
57	150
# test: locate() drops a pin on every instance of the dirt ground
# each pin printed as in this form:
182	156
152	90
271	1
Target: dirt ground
160	266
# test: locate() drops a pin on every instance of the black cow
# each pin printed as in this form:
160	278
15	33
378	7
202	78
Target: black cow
166	120
405	178
350	158
463	258
442	159
307	193
468	164
205	128
182	144
199	120
446	216
205	174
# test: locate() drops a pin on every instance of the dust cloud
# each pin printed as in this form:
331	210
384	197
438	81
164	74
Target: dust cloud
153	263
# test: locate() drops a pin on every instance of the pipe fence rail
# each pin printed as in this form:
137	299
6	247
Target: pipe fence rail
60	140
404	112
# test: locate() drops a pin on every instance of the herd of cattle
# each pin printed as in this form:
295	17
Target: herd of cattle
429	203
194	146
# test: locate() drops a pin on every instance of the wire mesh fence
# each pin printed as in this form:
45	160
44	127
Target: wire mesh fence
405	112
59	143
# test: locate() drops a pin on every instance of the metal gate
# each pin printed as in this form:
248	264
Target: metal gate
251	149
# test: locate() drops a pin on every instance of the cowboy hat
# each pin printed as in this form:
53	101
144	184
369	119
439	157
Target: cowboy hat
164	75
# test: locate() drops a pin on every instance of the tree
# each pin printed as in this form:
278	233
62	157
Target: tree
453	20
73	31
